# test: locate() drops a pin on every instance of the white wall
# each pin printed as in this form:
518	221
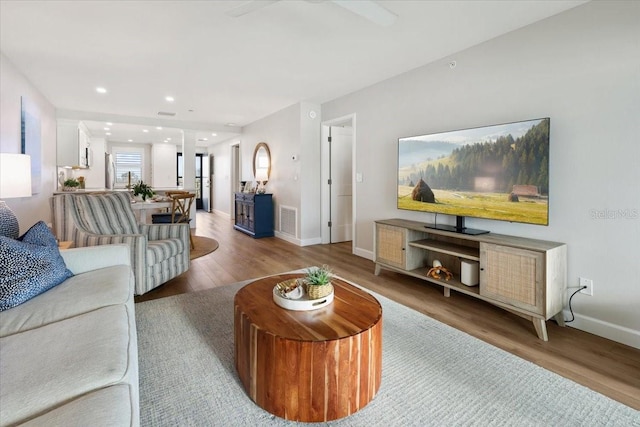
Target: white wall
294	183
580	68
222	177
13	85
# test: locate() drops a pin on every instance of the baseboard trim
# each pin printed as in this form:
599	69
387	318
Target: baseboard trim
287	237
604	329
310	242
363	253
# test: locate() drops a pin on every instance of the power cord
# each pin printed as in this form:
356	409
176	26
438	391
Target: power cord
573	317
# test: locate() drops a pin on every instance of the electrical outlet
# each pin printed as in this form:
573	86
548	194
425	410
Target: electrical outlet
587	284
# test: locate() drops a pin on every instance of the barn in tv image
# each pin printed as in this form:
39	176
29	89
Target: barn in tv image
496	172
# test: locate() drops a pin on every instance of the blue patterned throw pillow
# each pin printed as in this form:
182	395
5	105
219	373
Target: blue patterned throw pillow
29	266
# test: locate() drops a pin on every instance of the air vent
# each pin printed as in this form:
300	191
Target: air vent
288	220
165	113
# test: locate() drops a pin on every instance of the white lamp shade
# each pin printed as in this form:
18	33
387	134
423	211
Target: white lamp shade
15	175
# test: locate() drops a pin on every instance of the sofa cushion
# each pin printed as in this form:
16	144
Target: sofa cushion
161	250
29	266
111	406
87	292
107	213
65	360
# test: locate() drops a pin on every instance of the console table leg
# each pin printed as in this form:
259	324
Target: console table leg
541	328
377	270
447	292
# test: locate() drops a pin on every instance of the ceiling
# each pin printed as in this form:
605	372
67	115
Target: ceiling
226	72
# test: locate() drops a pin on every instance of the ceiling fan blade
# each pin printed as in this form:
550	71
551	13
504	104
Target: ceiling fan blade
370	10
248	7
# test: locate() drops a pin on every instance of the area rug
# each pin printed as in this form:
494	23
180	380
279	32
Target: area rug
202	246
432	375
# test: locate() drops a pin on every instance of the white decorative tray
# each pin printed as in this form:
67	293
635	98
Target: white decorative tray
301	304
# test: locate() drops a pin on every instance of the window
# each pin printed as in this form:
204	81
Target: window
127	161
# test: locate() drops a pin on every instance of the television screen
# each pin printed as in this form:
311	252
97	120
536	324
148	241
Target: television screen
496	172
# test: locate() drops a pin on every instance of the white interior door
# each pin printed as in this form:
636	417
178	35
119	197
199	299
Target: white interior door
340	154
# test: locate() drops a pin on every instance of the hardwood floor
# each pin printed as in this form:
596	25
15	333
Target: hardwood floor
608	367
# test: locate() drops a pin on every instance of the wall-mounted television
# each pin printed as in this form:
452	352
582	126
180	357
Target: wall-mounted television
498	172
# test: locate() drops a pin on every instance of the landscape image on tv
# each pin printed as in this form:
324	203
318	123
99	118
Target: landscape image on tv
496	172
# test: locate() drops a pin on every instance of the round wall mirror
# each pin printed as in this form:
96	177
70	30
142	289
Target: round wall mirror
262	162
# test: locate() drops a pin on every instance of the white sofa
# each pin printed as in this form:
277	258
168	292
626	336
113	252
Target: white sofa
69	356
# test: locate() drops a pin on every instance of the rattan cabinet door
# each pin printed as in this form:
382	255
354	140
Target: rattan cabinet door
512	275
391	245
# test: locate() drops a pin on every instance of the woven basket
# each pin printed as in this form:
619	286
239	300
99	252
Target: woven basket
319	291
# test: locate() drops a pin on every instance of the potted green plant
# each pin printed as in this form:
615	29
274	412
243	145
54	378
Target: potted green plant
318	281
142	190
70	184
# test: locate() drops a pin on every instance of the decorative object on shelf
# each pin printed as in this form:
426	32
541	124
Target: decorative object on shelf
15	181
318	281
438	270
291	289
261	178
242	186
81	182
61	178
304	303
143	190
70	184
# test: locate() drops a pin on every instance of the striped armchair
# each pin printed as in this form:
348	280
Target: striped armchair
159	252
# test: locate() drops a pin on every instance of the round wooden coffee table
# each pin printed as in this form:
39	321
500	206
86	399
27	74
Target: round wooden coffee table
309	366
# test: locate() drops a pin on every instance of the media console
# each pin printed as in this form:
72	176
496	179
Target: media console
527	277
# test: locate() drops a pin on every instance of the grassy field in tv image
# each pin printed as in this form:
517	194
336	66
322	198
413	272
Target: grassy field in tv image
479	205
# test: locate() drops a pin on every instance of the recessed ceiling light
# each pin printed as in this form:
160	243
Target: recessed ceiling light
231	124
145	130
214	134
107	128
169	99
109	124
129	140
159	127
100	89
108	133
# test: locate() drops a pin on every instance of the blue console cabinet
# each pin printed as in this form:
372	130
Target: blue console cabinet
254	214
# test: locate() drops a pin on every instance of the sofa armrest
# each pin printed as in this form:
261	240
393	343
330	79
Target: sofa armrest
165	231
81	260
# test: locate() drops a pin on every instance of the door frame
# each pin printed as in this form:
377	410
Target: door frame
325	211
234	182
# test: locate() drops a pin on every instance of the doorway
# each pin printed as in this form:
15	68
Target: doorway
199	171
337	177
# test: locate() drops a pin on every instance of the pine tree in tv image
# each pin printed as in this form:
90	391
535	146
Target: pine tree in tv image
496	172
